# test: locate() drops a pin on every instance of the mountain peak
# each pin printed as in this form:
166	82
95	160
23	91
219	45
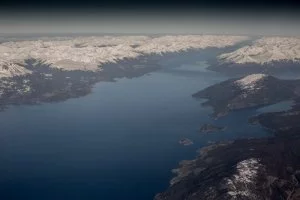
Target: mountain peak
250	82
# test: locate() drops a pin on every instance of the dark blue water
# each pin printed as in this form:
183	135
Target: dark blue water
278	107
120	142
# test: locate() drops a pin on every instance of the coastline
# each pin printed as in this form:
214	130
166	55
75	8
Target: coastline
245	168
46	84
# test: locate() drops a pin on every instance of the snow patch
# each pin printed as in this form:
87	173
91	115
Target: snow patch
241	183
11	69
250	82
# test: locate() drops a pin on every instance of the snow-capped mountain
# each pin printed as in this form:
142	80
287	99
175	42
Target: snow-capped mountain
265	50
250	82
88	53
249	91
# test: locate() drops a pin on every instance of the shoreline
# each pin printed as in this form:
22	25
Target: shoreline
252	168
47	84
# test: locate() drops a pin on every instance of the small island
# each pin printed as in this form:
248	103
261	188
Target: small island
209	128
185	142
231	169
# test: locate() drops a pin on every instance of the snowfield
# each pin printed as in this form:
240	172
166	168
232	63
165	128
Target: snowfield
241	184
266	50
250	82
89	53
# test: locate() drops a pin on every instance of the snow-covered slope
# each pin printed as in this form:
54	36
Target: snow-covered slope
241	184
166	44
9	69
88	53
266	50
250	82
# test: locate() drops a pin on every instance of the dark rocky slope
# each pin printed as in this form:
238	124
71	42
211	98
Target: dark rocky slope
231	95
246	169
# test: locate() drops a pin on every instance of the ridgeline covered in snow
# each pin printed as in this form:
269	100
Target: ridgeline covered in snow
89	53
265	51
250	82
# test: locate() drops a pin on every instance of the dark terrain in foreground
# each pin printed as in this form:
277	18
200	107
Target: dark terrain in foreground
246	169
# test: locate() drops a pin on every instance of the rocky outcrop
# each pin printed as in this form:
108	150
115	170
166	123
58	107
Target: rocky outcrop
208	128
185	142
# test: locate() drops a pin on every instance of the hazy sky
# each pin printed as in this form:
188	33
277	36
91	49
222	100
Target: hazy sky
214	16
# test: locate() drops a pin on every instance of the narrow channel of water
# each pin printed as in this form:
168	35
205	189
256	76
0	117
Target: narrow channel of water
120	142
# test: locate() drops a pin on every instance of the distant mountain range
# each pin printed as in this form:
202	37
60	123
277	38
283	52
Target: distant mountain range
90	53
265	50
265	55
